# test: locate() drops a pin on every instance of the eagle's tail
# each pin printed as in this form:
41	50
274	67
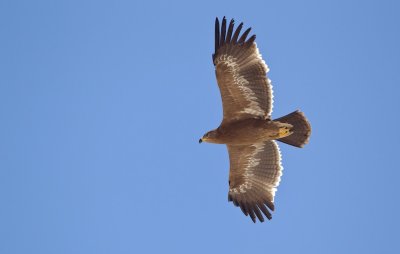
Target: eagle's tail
301	129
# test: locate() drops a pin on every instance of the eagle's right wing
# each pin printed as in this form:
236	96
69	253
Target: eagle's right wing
241	74
255	173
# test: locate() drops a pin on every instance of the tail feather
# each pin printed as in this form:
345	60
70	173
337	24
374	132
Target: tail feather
301	129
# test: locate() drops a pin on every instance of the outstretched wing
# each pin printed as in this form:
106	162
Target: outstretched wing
255	173
241	74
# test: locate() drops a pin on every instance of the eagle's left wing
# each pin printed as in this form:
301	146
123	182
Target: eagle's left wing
255	172
246	91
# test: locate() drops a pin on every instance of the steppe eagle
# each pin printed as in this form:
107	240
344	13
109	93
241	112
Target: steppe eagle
247	128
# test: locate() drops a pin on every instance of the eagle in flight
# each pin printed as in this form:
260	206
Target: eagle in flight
247	128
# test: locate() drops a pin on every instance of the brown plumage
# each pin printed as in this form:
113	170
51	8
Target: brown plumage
247	128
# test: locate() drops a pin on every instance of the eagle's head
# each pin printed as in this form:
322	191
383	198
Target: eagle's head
210	137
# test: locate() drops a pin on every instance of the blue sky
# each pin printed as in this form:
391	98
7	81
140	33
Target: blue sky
102	104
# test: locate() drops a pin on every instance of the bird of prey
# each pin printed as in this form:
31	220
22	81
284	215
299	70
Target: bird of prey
247	128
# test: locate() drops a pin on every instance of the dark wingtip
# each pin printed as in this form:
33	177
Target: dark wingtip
270	205
251	40
226	35
258	213
265	211
223	32
252	215
244	35
216	35
244	211
237	32
230	30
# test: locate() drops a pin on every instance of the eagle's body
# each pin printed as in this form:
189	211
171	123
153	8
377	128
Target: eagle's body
247	128
249	131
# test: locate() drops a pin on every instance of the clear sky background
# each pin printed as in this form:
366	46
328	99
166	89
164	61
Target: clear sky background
102	104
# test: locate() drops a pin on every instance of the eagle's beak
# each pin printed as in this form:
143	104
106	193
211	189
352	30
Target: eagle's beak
200	140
